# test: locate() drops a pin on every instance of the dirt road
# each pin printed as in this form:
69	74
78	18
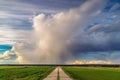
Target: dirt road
58	74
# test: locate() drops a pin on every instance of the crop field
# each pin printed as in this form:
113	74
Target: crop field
24	72
76	73
93	73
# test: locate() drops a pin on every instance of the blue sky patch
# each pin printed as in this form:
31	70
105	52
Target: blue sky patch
4	48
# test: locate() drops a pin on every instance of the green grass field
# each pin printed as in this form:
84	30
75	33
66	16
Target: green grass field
92	73
40	72
24	72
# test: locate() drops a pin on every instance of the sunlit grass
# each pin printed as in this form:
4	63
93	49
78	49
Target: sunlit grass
92	73
24	72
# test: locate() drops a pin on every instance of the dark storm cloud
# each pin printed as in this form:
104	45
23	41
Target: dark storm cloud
110	4
98	38
110	42
102	35
111	46
112	56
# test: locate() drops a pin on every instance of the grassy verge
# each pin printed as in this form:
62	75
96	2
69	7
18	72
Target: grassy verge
90	73
24	72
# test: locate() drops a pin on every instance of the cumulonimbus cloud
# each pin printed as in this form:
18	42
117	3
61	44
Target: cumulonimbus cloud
54	34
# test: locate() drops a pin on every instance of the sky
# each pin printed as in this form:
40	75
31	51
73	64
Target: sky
60	31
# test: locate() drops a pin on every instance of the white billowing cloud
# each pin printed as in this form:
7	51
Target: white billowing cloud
54	33
26	52
8	55
90	62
